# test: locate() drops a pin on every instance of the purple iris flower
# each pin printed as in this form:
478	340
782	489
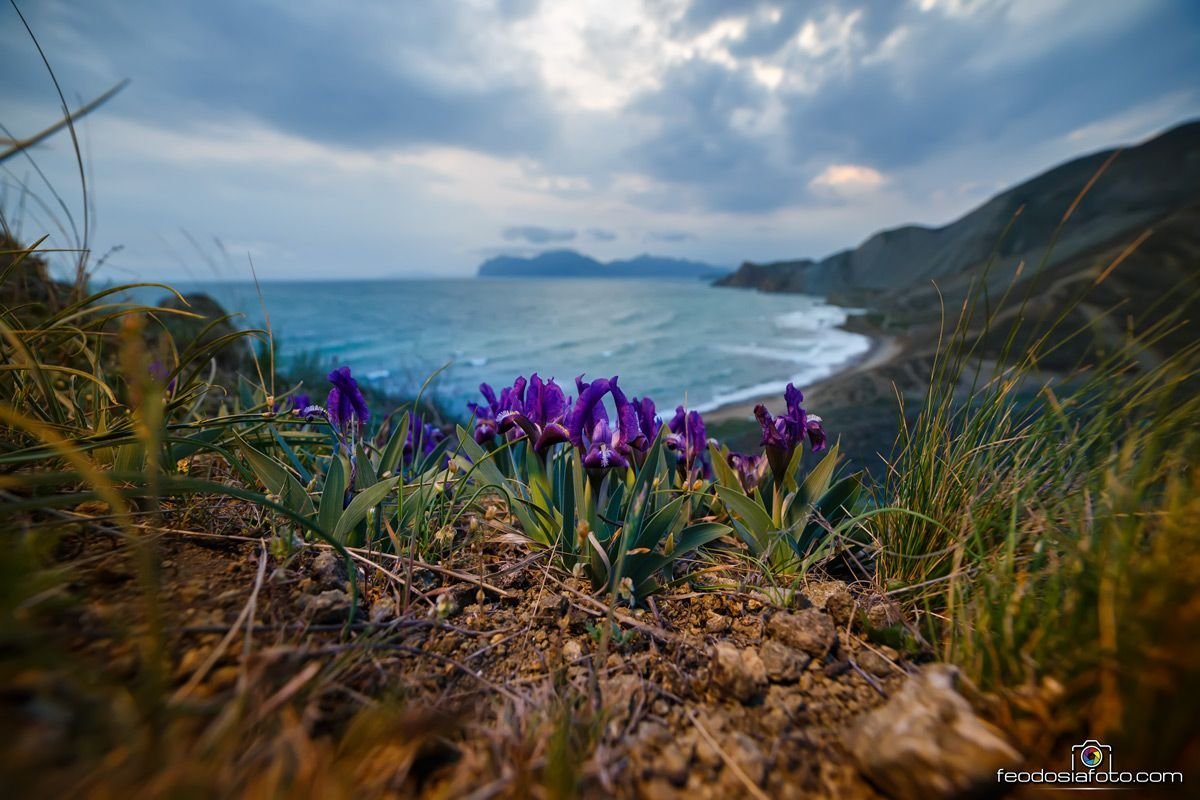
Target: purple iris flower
346	405
300	401
604	450
687	439
159	371
603	446
345	410
512	399
749	468
540	415
485	415
588	409
783	434
648	421
430	437
649	425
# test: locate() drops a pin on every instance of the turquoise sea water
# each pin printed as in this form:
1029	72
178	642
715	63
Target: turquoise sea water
670	340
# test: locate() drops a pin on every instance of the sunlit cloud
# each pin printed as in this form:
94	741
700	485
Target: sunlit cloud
847	179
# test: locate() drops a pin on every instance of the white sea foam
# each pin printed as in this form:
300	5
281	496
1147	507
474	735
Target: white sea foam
835	351
812	318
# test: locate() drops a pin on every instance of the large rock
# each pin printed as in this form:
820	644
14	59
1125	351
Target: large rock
927	742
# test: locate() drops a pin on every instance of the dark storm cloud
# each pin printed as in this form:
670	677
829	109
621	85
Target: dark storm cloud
383	76
535	234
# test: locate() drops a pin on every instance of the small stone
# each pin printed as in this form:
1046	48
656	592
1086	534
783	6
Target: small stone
783	664
738	672
884	613
716	623
808	630
383	611
673	763
927	742
572	651
746	753
877	665
837	668
832	597
329	570
620	691
787	701
551	603
327	607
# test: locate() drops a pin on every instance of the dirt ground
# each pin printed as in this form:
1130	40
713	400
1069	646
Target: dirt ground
493	674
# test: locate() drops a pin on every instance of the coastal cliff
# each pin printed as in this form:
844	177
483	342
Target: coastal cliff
1142	187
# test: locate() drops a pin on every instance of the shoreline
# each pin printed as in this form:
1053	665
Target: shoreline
883	350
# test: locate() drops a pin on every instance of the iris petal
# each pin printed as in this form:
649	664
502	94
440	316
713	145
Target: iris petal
552	434
585	416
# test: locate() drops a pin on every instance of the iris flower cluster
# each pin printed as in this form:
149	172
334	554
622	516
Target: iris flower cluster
535	409
546	417
539	411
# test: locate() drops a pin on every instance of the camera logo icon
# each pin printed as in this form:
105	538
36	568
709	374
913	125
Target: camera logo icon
1091	754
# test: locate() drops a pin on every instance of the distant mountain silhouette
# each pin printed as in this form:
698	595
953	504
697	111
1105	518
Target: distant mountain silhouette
570	264
1142	187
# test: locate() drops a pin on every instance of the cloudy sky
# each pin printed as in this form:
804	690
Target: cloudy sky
407	137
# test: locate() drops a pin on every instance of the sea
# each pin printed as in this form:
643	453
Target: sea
679	342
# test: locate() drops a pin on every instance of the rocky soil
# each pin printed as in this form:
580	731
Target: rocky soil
508	676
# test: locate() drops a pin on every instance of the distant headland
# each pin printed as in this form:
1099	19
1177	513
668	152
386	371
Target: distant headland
572	264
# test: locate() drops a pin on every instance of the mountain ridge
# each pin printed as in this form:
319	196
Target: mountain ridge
1145	182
